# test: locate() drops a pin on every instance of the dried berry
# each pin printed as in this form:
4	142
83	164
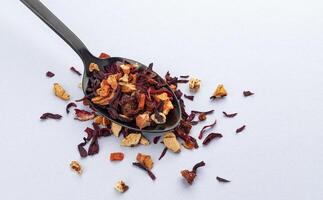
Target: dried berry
116	156
76	167
240	129
50	116
229	115
73	69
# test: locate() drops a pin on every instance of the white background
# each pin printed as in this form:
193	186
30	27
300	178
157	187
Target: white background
274	48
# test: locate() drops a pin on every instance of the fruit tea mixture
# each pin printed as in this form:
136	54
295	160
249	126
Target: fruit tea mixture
139	96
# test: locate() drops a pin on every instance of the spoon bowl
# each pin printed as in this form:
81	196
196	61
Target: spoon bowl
174	116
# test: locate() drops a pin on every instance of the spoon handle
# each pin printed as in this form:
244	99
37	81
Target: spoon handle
59	27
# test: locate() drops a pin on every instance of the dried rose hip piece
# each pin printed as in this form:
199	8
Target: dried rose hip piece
240	129
50	74
50	116
116	156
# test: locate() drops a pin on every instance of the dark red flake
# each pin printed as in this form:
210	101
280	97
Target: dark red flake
210	137
75	71
156	139
81	149
162	153
222	180
72	104
89	132
190	175
94	146
50	74
190	97
247	93
204	129
137	164
83	115
184	76
229	115
206	112
50	116
198	165
240	129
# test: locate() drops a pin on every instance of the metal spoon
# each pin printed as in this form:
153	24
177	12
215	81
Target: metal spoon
70	38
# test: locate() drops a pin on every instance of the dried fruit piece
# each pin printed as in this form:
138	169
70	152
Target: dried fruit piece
143	120
144	141
75	71
76	167
131	140
101	120
190	175
202	116
121	187
145	160
240	129
247	93
158	118
171	142
219	92
115	128
60	92
229	115
127	87
83	115
194	84
94	67
222	180
50	74
50	116
168	105
68	106
137	164
116	156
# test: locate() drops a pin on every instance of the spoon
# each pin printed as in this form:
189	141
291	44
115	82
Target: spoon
174	116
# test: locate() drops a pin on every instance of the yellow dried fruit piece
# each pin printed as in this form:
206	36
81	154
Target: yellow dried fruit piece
162	97
112	81
219	92
127	87
115	128
101	120
125	78
60	92
131	140
168	105
94	67
171	142
125	68
194	84
145	160
102	100
143	120
120	186
76	167
144	141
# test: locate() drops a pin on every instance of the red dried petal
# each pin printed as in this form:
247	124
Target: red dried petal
50	74
204	129
50	116
240	129
83	115
104	56
75	71
68	106
210	137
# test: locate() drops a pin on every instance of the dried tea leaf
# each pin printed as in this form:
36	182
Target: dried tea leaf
171	142
189	97
83	115
156	139
163	153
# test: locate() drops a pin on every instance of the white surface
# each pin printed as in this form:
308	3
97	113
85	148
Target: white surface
273	48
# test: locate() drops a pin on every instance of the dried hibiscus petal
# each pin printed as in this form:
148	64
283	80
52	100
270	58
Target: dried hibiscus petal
210	137
83	115
189	97
68	106
50	116
206	112
240	129
186	76
94	146
81	149
151	175
222	180
247	93
156	139
50	74
163	153
229	115
73	69
204	129
89	132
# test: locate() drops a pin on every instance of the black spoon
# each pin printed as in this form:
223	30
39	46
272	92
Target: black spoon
70	38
